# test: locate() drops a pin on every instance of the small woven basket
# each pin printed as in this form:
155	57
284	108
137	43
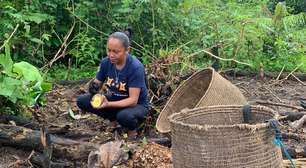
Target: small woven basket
216	136
204	88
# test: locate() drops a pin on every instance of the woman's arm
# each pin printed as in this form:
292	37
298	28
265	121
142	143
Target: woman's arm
127	102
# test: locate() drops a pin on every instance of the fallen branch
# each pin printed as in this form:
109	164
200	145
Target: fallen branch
280	104
291	73
292	116
269	90
20	161
296	68
303	83
299	123
9	38
278	76
300	163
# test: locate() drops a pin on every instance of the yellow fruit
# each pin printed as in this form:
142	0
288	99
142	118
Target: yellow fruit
97	100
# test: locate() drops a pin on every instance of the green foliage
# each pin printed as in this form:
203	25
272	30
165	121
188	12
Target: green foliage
269	32
85	52
295	6
20	83
27	71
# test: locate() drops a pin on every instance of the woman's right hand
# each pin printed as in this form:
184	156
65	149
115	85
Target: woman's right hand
94	87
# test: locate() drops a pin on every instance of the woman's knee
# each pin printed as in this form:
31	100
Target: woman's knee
131	117
83	102
127	119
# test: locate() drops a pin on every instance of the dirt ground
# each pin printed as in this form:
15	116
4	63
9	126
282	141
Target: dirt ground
62	99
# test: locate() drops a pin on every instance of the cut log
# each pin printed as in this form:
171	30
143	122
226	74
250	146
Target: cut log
80	134
21	137
20	121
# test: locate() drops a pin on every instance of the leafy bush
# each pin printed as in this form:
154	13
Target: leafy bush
256	32
295	6
20	83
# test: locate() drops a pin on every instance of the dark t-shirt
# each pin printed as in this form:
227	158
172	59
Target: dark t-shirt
118	82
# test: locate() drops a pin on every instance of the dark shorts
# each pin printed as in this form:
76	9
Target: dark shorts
130	117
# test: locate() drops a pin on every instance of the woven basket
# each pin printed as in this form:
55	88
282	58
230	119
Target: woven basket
215	136
204	88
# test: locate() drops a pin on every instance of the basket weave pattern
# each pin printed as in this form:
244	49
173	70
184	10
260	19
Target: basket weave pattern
204	88
216	137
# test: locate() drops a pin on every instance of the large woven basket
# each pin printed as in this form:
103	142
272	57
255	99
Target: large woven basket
204	88
216	136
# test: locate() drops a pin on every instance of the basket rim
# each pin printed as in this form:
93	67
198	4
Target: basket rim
159	125
206	127
213	77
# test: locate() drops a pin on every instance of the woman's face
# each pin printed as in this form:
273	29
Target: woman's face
116	51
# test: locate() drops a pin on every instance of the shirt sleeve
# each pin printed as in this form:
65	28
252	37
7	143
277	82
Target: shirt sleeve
101	75
137	79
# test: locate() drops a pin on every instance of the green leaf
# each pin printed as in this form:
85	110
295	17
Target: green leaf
27	29
42	86
46	86
27	71
46	36
72	115
36	40
37	17
8	86
144	141
32	97
6	61
37	86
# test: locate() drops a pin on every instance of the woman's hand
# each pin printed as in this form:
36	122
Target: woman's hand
105	103
94	86
131	101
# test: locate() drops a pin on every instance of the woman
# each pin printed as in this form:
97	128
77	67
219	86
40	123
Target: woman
126	100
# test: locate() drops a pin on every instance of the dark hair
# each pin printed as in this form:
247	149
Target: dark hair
121	37
128	31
